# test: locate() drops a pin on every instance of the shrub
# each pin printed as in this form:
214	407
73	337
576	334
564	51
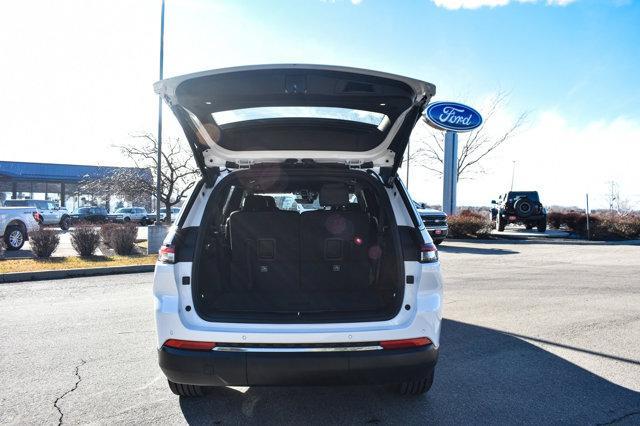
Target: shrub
555	219
468	224
44	242
106	231
611	227
123	238
85	240
2	247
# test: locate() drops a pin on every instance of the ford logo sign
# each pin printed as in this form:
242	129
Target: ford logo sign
452	116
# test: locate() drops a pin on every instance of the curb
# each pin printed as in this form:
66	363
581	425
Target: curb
14	277
550	241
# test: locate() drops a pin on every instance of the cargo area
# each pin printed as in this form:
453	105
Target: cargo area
309	245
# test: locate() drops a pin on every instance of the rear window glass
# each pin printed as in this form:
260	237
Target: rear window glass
16	203
298	203
261	113
532	195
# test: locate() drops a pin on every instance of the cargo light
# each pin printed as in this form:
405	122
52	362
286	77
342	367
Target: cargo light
405	343
167	254
189	344
428	253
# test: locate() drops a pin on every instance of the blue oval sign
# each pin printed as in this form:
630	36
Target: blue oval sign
452	116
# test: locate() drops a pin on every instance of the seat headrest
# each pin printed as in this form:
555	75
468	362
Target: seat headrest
334	195
258	203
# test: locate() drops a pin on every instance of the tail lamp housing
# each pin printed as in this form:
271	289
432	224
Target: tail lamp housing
167	254
428	253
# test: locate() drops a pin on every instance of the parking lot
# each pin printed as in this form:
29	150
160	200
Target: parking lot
534	332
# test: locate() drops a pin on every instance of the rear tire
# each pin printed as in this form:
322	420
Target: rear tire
529	226
415	387
438	242
186	390
14	237
542	227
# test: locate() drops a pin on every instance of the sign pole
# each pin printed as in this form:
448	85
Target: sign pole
453	118
450	176
588	230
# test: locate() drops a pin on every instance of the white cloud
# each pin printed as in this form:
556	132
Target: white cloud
476	4
356	2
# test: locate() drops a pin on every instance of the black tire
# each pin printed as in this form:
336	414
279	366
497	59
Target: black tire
438	241
65	223
542	226
415	387
186	390
126	219
14	237
499	224
529	226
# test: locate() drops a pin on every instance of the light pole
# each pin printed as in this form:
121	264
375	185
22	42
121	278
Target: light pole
513	173
157	233
159	162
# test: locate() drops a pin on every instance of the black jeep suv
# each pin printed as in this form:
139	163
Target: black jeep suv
519	207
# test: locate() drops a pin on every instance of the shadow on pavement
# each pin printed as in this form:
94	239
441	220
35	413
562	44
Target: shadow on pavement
483	376
18	254
448	248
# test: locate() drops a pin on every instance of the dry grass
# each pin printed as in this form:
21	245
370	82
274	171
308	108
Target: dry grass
57	263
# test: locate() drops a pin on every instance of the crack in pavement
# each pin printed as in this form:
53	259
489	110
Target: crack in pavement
621	418
75	386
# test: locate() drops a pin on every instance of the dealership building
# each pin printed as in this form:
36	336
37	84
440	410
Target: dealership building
60	183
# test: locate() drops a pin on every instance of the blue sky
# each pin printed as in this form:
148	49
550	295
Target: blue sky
88	67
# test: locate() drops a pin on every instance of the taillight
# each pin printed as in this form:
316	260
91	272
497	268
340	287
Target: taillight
167	254
428	253
405	343
189	344
37	216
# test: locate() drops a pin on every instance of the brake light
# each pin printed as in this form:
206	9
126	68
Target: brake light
428	253
167	254
37	216
189	344
405	343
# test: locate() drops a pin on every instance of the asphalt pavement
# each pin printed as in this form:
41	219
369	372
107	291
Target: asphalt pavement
534	332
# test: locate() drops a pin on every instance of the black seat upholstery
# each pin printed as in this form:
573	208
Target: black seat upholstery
264	246
335	243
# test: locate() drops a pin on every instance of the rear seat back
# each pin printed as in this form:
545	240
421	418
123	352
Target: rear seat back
264	246
335	243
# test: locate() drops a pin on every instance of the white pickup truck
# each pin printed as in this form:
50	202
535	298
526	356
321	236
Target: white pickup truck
16	223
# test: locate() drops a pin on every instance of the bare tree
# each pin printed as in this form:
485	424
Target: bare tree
177	177
616	202
474	147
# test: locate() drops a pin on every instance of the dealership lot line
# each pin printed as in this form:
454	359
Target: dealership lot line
533	332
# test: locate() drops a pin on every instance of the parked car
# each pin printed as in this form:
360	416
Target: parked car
16	223
522	207
133	214
435	221
50	212
94	215
151	217
251	293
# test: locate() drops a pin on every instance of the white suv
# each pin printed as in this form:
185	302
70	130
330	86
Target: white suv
341	285
133	214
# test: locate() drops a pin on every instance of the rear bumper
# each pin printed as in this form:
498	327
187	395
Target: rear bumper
213	368
533	218
438	233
